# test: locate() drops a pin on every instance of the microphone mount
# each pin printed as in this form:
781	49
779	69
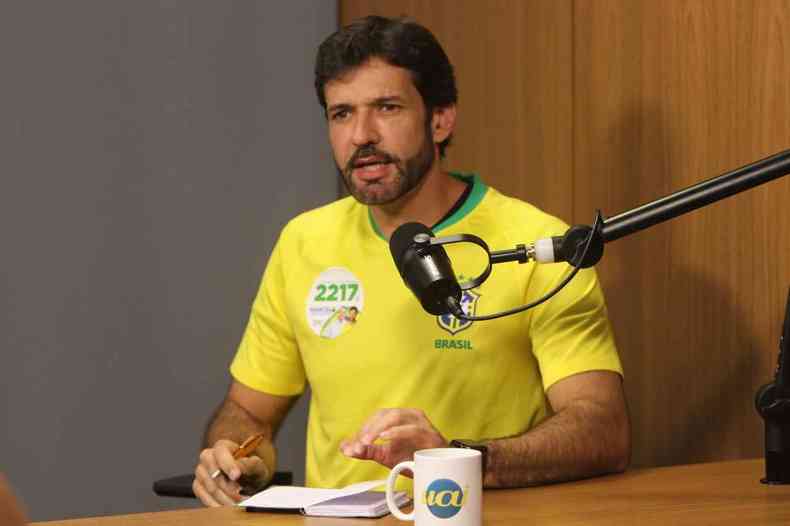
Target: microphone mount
423	242
772	402
570	246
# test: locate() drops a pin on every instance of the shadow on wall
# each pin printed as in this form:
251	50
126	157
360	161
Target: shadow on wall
708	377
689	358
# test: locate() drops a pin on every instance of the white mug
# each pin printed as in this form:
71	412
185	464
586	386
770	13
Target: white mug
448	487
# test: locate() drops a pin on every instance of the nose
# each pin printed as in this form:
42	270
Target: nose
365	129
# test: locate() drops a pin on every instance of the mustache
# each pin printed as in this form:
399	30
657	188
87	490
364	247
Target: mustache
368	150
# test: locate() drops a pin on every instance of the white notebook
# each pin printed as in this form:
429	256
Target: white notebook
356	500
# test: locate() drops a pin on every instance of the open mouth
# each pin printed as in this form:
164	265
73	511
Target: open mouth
371	167
364	164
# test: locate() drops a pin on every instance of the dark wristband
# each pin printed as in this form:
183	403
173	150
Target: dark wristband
471	444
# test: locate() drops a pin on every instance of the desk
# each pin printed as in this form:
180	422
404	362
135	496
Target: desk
718	493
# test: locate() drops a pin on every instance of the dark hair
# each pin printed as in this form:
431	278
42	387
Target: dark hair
398	41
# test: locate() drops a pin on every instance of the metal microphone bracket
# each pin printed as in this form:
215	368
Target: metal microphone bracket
581	246
425	244
520	253
776	414
772	402
570	247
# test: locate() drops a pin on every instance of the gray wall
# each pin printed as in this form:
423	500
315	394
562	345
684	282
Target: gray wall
150	151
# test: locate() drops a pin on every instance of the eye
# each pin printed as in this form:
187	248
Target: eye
340	115
389	108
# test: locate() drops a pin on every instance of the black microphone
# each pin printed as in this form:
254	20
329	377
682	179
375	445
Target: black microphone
773	404
782	375
425	269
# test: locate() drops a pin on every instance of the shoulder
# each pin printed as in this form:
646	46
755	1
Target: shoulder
323	222
516	219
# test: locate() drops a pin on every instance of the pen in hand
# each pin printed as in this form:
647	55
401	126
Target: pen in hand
244	450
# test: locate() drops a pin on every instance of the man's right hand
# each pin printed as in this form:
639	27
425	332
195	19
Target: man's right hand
225	489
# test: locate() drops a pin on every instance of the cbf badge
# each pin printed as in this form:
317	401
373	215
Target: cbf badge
452	324
334	303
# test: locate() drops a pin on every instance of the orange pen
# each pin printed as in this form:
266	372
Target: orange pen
244	450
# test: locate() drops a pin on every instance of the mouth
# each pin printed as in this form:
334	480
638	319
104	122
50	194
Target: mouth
371	168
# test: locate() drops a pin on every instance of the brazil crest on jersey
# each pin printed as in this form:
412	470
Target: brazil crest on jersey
452	324
332	312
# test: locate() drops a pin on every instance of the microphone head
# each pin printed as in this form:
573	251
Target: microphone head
403	239
426	271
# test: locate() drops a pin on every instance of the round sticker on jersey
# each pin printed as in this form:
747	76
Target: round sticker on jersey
335	303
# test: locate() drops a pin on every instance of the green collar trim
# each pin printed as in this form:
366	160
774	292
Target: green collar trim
479	189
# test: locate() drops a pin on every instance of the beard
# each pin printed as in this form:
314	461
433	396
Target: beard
409	173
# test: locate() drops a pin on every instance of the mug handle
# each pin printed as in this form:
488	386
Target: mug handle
408	464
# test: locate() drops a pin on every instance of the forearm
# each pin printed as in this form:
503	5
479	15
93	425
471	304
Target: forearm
583	440
232	422
10	512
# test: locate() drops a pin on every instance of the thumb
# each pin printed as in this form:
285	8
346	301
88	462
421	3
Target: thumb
255	468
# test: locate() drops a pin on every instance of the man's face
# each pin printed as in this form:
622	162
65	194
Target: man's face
378	131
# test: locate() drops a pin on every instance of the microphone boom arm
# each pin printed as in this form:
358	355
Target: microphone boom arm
582	245
668	207
570	246
697	196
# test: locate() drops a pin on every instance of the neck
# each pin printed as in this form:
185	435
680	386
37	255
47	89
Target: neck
426	204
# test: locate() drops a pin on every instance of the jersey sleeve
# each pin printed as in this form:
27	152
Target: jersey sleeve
570	332
268	357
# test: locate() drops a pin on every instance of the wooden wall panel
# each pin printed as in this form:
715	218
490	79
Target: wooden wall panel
668	94
578	105
513	68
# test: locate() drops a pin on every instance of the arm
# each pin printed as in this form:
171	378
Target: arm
10	514
243	413
588	435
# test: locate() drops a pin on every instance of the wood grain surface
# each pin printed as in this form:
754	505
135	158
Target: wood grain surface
581	105
724	493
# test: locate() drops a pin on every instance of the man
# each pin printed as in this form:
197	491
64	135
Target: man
10	512
542	390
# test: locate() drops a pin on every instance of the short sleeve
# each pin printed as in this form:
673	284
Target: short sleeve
571	332
268	357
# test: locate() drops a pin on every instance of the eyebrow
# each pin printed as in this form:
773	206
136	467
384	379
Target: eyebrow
375	102
387	100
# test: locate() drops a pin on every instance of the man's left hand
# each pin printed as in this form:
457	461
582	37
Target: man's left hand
393	435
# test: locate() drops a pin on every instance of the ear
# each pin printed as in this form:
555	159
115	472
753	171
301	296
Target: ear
443	123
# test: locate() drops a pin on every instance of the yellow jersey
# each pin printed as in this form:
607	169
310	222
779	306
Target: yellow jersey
333	311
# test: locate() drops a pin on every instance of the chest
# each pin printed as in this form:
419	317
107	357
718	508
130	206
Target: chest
351	314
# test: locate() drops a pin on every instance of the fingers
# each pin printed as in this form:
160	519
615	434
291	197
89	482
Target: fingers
407	432
223	456
215	492
387	454
203	495
403	430
221	490
356	449
382	420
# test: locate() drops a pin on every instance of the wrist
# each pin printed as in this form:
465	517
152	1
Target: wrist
478	445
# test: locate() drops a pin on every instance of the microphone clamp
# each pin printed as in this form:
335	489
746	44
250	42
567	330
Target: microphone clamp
425	242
